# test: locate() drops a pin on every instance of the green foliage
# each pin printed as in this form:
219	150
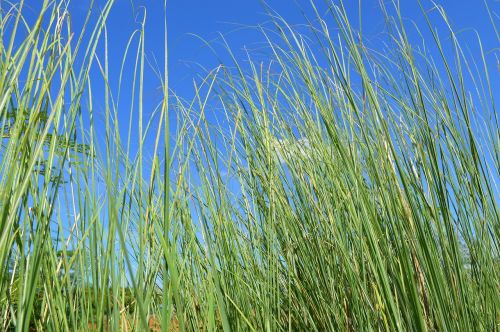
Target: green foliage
341	188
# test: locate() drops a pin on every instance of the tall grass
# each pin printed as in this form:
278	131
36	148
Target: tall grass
342	187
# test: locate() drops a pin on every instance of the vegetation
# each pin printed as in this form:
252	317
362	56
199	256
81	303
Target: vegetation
342	187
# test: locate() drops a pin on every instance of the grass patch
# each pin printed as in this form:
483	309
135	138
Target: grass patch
342	187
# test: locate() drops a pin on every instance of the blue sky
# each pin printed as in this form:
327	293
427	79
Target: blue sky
190	20
235	18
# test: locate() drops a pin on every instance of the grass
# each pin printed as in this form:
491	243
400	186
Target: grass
342	187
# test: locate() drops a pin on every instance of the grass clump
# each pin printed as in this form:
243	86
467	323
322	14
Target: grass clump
342	187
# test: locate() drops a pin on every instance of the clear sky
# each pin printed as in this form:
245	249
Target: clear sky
235	18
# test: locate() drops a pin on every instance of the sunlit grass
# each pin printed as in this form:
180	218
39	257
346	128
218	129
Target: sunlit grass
340	186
